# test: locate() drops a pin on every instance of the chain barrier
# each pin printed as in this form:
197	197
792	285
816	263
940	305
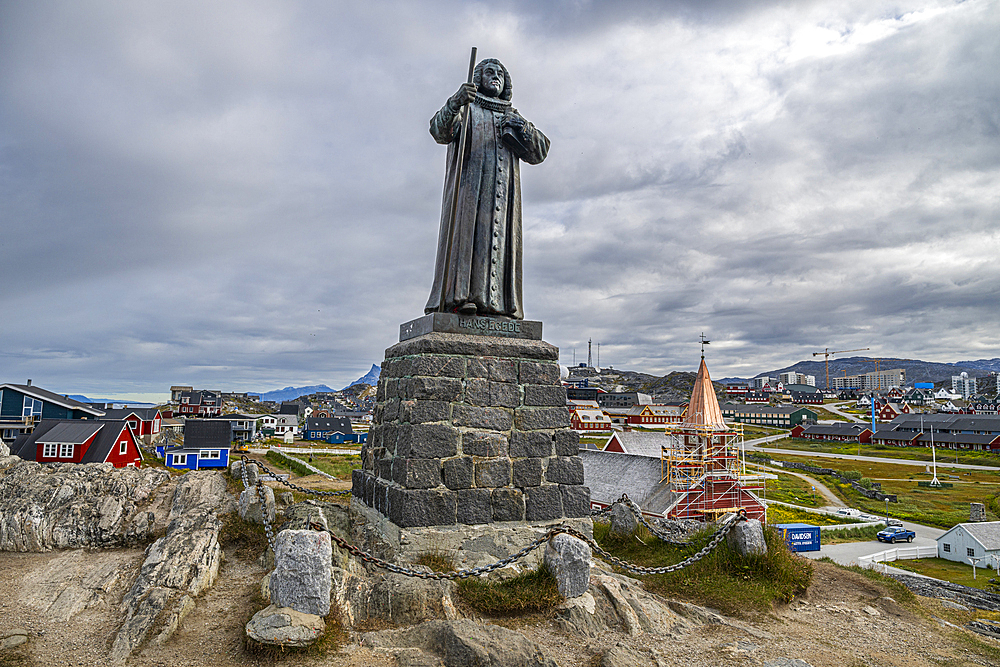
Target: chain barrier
294	487
366	557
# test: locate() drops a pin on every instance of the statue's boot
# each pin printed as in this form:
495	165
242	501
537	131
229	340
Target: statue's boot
467	308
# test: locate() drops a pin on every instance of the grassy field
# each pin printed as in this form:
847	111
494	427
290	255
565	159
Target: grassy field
932	507
791	489
782	514
826	414
910	453
340	466
957	573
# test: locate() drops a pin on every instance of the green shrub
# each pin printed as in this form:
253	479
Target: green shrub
853	475
865	482
283	461
248	538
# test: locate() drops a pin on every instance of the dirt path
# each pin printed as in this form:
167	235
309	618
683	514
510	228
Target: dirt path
822	488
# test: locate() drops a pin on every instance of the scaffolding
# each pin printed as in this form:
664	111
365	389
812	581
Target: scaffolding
706	467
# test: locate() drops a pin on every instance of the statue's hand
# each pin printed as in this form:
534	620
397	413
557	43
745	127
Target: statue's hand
465	94
513	120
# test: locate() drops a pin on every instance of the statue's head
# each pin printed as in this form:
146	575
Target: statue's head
492	79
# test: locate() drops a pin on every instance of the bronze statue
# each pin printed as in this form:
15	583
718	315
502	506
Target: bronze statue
478	267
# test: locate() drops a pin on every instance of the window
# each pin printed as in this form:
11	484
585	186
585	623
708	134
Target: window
32	407
65	451
947	548
208	454
49	451
969	551
179	459
122	446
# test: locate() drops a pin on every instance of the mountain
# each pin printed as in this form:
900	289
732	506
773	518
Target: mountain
916	370
981	364
131	404
291	393
371	378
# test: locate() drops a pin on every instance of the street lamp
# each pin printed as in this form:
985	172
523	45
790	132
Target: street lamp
886	511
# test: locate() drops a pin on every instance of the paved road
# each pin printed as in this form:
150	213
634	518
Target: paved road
833	407
848	552
872	459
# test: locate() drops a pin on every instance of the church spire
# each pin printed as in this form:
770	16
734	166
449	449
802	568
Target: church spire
703	409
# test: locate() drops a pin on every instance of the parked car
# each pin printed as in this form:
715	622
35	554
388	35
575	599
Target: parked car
892	522
893	534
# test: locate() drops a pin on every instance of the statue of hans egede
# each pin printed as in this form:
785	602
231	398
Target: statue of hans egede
478	266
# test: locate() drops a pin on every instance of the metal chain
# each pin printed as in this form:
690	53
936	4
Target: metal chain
366	557
630	504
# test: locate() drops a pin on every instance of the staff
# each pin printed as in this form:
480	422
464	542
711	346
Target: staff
458	183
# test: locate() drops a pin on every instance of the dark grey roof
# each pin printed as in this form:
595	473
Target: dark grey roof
52	397
764	409
48	430
342	424
199	433
71	432
842	428
116	414
609	474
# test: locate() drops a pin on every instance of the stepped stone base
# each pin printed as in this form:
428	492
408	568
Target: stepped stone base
469	431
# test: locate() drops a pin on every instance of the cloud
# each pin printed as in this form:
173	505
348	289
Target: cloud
244	195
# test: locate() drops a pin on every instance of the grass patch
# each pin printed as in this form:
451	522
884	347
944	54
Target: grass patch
956	573
791	489
248	539
782	514
859	534
532	591
291	465
437	561
737	585
340	466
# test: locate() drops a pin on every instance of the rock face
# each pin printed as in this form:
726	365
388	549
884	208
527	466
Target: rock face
68	506
285	627
568	559
178	566
301	577
4	450
747	538
460	644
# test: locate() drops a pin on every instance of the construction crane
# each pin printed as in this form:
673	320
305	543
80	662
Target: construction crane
827	354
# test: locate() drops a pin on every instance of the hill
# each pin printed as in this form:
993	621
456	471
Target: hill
916	370
291	393
371	378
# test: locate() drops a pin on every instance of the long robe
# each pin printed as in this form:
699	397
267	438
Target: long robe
483	265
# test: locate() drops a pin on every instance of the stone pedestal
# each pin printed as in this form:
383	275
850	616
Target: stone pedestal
470	437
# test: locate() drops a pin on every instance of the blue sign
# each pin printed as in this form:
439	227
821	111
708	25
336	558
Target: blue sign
923	385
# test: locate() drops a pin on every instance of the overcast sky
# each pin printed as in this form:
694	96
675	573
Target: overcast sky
244	195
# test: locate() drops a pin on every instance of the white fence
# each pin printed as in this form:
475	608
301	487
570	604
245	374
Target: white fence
899	553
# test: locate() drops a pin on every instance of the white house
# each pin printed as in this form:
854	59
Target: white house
972	540
943	394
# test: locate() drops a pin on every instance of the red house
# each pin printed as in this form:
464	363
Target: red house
144	422
80	441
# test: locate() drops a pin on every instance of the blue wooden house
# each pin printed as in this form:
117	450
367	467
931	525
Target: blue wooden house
338	438
206	445
321	428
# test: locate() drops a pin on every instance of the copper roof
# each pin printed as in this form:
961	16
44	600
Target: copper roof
703	410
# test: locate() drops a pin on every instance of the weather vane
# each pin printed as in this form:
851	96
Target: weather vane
704	342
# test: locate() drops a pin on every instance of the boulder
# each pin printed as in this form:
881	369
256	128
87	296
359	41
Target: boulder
747	538
250	506
301	577
389	597
285	627
623	656
623	521
4	449
287	499
568	559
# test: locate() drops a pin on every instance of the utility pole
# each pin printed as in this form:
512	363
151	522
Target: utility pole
598	356
590	356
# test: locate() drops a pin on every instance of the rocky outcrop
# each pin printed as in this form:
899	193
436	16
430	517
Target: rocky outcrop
178	566
69	506
945	590
459	644
568	559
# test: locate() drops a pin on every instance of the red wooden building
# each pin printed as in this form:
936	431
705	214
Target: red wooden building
144	422
80	441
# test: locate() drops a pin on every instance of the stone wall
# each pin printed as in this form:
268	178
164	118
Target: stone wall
471	430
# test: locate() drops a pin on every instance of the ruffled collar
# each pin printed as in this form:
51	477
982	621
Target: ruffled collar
491	103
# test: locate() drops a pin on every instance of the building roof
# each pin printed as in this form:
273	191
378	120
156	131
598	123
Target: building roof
71	432
52	397
765	409
200	433
986	533
342	424
117	414
637	443
610	474
703	408
840	428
